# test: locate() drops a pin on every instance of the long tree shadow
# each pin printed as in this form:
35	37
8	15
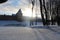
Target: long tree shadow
51	28
48	27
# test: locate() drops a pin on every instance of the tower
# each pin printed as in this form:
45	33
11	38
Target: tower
19	15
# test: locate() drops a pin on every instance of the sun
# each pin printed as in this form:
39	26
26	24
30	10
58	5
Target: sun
27	12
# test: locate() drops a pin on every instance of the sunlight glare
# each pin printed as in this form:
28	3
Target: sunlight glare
27	12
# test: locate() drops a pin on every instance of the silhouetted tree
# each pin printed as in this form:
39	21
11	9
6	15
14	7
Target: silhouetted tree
46	14
58	12
42	15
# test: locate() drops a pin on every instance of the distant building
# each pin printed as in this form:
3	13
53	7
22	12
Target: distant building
7	17
13	14
19	15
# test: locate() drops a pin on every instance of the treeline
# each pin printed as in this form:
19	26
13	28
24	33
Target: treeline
7	17
50	12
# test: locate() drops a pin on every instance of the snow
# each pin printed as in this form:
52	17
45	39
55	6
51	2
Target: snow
27	33
16	23
34	32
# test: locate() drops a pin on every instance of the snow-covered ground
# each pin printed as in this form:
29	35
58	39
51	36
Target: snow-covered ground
6	22
9	30
27	33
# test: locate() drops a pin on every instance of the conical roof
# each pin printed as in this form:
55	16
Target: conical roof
19	12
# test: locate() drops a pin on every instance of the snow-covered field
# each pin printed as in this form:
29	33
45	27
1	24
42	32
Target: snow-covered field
6	22
16	23
27	33
9	30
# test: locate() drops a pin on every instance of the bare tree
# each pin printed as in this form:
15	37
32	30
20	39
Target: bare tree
42	15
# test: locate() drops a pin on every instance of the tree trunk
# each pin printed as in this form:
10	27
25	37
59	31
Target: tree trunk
42	15
46	15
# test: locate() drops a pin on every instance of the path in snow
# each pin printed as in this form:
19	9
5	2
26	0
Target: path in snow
26	33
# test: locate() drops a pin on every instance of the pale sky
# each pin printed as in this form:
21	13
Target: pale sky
12	6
